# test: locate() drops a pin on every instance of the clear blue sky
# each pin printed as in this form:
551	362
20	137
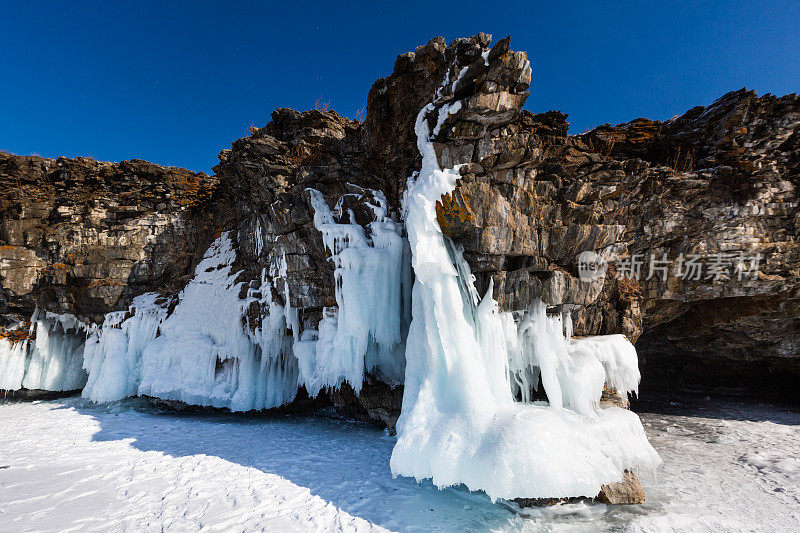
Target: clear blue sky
175	82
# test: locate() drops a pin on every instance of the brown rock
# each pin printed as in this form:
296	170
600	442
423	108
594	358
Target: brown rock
627	492
454	213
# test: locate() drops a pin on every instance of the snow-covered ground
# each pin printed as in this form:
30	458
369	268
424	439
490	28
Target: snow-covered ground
68	465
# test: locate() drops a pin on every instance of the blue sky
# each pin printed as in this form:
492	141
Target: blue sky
176	82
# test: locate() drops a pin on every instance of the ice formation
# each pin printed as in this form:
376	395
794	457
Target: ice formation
50	361
460	422
112	355
366	330
204	352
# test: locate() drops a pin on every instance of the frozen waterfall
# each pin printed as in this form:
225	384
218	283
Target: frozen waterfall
460	422
366	331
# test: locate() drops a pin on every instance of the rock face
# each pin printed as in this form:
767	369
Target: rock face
720	182
83	238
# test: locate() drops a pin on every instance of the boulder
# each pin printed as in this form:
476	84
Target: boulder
627	492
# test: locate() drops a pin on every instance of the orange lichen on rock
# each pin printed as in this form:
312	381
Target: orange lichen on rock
454	214
16	335
55	268
193	188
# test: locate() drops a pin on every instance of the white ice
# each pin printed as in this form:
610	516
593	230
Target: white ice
204	352
112	355
51	361
460	423
365	331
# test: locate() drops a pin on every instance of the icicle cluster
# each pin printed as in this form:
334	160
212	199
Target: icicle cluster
49	361
112	355
366	330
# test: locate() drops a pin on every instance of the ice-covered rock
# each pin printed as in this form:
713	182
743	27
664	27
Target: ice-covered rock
366	331
48	358
202	352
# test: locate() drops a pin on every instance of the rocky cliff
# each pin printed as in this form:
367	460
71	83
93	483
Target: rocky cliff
719	182
83	238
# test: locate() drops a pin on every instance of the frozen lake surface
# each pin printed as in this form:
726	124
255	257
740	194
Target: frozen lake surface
71	465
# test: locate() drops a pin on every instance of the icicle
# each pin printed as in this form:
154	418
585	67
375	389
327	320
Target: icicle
13	363
367	329
51	361
112	355
619	360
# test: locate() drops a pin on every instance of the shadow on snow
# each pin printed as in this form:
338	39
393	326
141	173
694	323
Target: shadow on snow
343	462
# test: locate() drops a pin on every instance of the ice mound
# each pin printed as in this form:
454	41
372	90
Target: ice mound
460	422
204	352
51	361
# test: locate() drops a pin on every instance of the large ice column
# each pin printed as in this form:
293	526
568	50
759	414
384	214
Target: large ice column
50	361
365	331
460	422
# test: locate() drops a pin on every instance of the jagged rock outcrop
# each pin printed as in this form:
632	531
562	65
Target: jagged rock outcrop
82	237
